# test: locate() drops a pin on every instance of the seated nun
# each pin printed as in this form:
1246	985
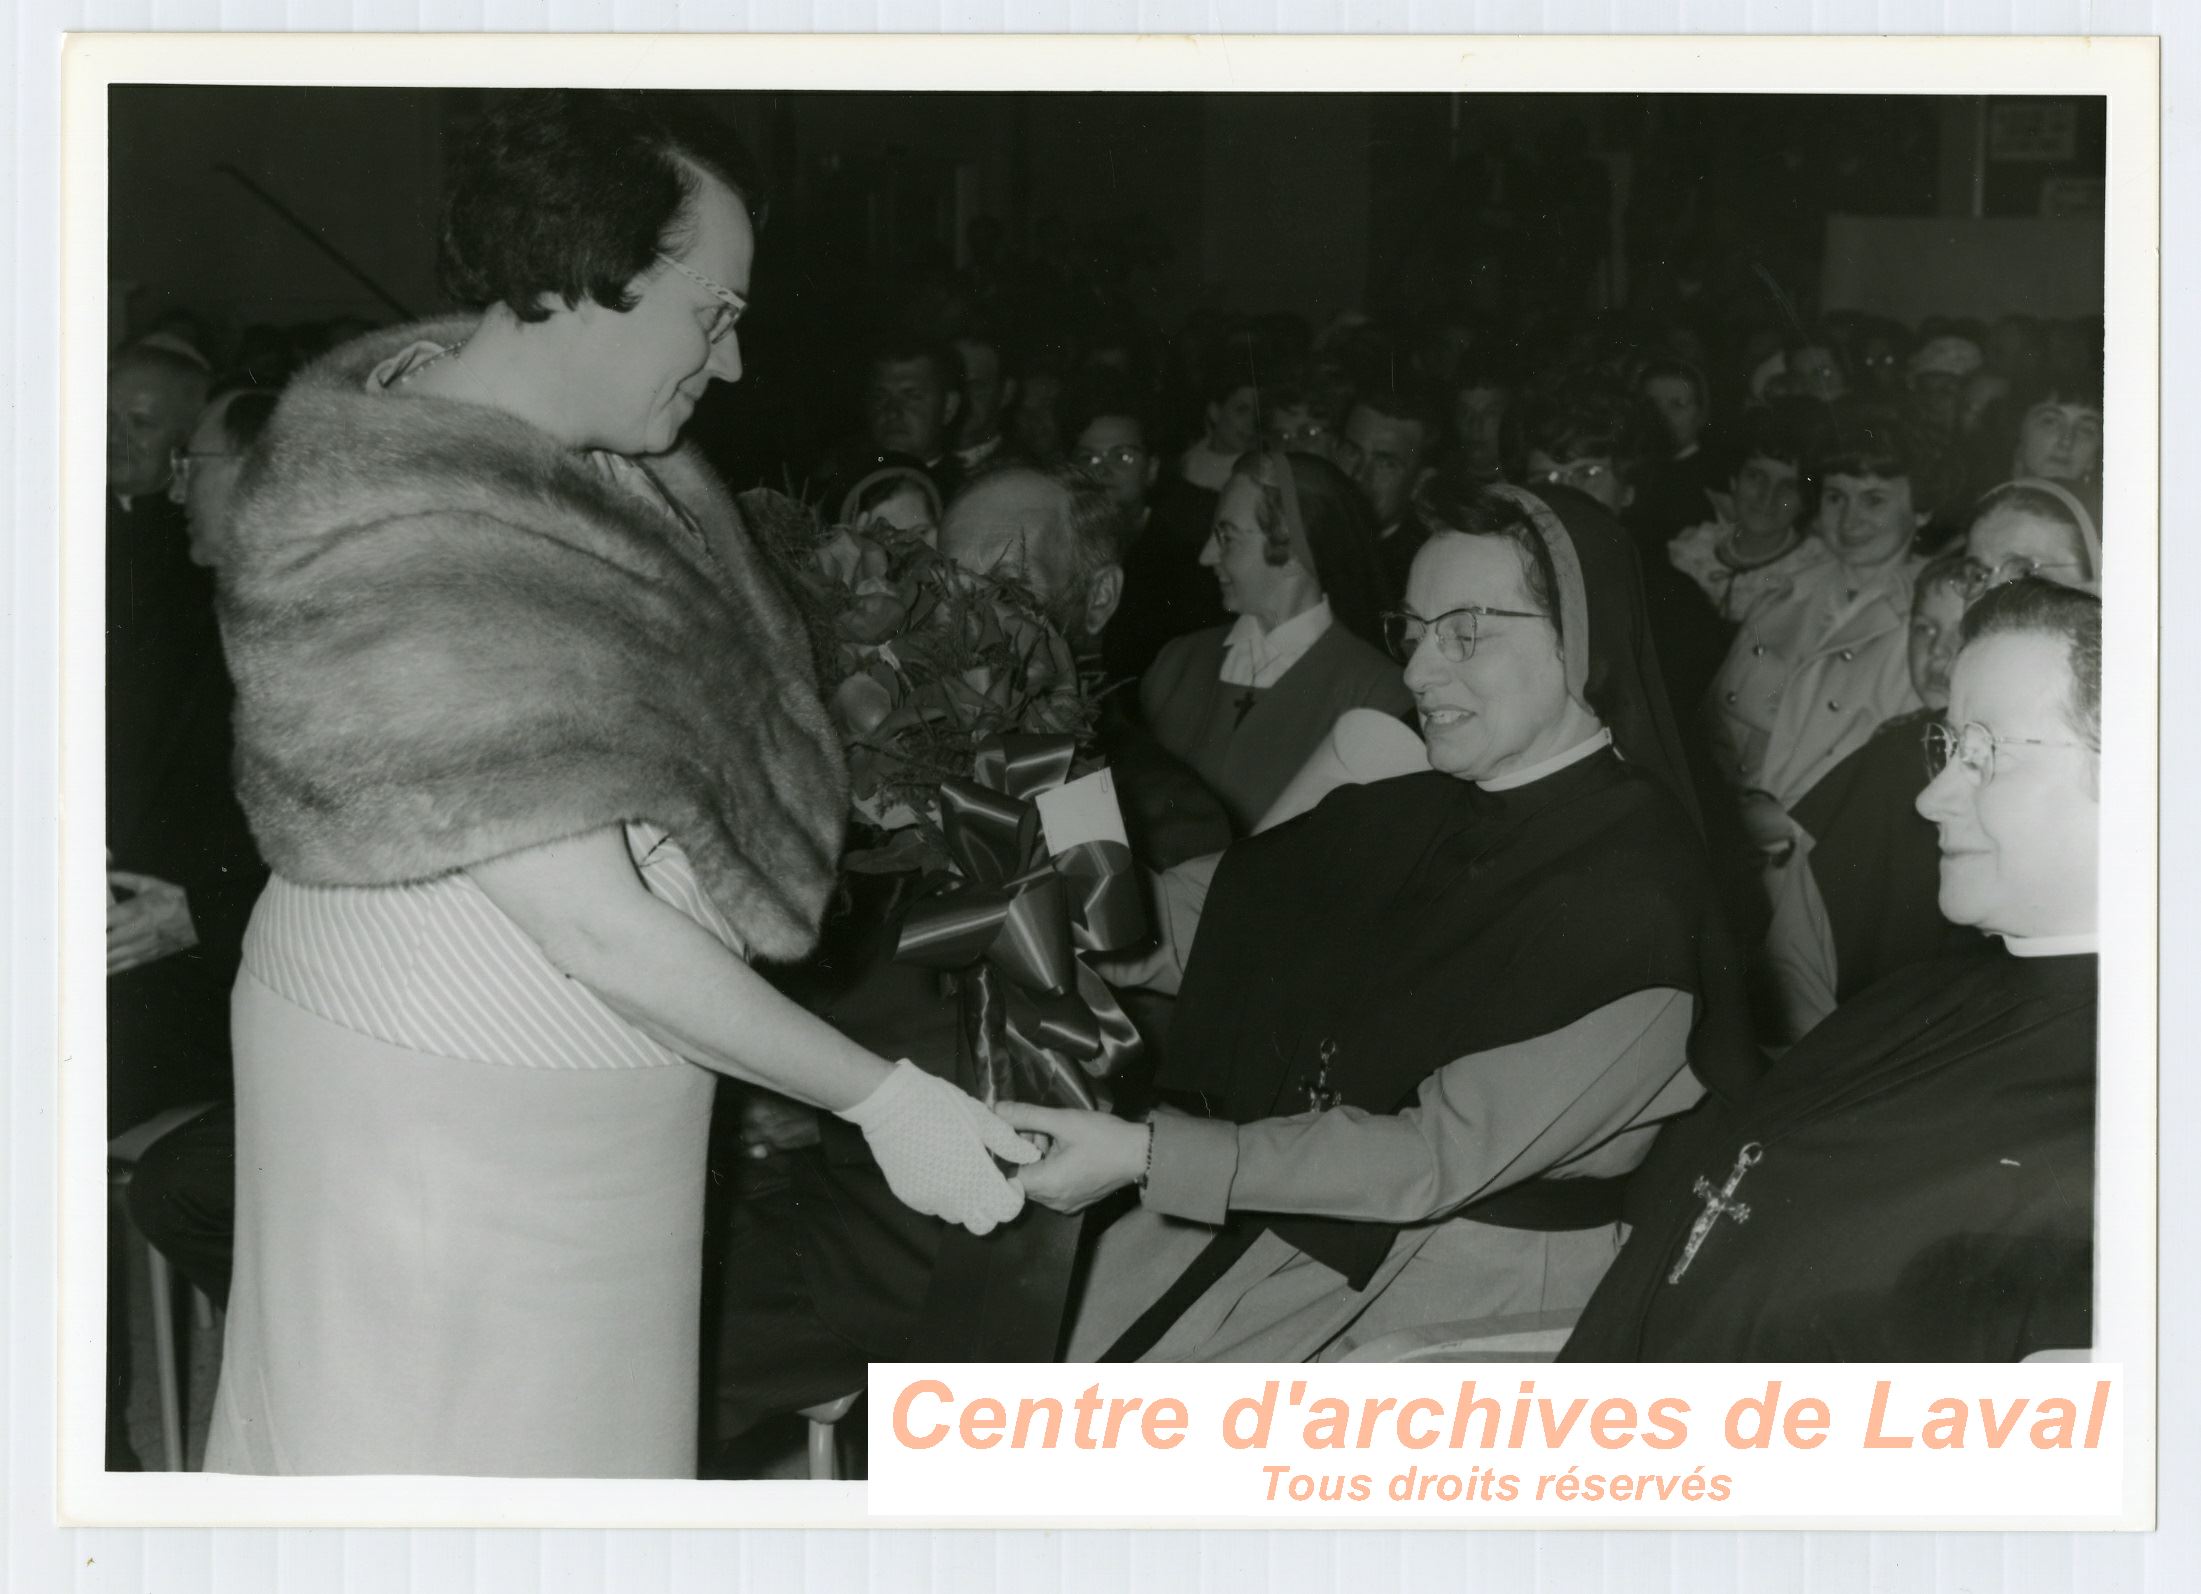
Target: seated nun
1856	899
1914	1181
1425	1029
1245	705
2033	527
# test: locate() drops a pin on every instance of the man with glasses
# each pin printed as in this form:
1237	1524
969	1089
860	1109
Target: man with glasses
1166	594
1918	1173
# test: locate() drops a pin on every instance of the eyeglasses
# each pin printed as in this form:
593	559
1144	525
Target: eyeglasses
1580	474
723	322
1302	436
181	460
1456	630
1979	577
1973	746
1123	457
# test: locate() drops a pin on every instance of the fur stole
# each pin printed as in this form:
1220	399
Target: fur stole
453	639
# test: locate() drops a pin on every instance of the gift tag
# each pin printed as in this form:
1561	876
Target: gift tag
1079	811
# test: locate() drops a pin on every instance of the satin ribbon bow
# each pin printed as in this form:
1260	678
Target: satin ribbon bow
1038	1025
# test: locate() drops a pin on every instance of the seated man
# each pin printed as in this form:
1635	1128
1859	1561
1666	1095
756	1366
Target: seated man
1390	440
912	396
833	1272
1917	1173
1166	593
989	395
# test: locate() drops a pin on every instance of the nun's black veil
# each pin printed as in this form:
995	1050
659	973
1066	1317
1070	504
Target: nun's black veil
1426	918
1611	664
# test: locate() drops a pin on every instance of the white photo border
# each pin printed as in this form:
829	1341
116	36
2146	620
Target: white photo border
2123	69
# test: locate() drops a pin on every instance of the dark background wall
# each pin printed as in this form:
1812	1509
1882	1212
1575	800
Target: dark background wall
1305	203
1156	206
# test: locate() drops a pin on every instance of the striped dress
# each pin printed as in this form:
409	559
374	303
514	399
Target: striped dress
436	967
469	1194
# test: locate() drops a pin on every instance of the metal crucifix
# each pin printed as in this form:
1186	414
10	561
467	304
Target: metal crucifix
1717	1204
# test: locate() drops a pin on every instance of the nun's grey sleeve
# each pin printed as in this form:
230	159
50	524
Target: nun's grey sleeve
1581	1100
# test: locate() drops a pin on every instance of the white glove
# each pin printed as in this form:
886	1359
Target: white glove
932	1141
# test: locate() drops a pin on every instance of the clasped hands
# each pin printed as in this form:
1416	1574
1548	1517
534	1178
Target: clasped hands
936	1144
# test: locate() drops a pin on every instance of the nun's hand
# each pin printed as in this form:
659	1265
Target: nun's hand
1090	1154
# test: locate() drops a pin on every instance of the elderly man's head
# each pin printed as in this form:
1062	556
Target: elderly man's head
153	400
1056	531
2017	795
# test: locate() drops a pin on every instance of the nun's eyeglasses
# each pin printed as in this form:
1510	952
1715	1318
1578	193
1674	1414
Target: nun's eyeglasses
1979	576
1973	745
1456	630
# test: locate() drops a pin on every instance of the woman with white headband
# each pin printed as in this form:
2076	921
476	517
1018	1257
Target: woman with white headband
1426	1030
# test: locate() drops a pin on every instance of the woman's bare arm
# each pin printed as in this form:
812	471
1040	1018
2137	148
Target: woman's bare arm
582	902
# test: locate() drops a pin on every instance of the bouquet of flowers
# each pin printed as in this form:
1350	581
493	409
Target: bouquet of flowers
924	663
961	710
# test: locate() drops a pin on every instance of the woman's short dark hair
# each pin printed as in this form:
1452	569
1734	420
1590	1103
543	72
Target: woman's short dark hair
1100	393
1950	571
2083	389
573	193
1785	429
1862	440
1581	421
2031	606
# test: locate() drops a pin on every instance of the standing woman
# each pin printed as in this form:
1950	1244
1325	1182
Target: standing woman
530	742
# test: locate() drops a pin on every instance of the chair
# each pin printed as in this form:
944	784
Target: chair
824	1418
124	1152
1520	1337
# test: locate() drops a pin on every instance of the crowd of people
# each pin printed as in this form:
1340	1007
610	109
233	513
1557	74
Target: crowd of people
1597	782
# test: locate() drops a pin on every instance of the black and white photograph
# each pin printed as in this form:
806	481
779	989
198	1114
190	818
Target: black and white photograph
750	732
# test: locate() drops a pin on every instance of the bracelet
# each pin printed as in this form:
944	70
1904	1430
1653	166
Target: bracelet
1147	1172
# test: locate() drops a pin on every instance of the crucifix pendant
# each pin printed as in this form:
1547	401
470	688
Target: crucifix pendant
1717	1204
1320	1097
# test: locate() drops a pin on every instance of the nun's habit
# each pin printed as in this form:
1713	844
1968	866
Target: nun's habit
1426	1030
1918	1175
